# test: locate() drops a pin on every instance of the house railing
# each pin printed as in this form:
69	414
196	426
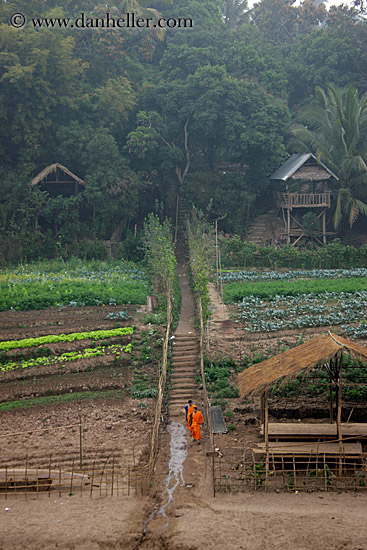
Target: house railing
303	200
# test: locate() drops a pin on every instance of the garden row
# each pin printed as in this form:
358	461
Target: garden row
303	311
47	284
237	276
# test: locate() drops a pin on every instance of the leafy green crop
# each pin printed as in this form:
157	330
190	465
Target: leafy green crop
234	292
87	353
72	283
54	338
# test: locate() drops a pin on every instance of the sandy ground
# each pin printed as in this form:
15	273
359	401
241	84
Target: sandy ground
251	521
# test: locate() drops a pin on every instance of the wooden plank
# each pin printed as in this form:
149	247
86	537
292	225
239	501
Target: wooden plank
279	448
295	429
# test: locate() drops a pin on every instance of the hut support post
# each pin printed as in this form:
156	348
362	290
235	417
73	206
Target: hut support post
266	433
288	226
324	227
331	398
339	413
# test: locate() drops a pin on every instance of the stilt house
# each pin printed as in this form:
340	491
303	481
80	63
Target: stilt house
303	187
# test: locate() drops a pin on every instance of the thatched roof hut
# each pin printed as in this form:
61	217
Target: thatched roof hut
319	350
58	180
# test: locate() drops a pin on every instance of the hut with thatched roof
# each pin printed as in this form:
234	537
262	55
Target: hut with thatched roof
58	180
325	349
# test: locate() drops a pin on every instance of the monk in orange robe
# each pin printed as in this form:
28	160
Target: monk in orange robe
197	420
189	411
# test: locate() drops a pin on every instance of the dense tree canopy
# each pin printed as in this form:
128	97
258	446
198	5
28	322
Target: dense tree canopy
144	113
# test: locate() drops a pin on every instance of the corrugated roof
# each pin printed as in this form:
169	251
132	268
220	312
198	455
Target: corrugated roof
293	164
293	361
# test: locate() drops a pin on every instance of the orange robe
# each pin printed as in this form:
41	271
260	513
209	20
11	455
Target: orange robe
197	419
189	411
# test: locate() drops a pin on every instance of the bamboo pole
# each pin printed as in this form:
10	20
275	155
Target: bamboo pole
71	479
266	433
216	251
92	482
339	414
207	406
26	473
80	444
49	475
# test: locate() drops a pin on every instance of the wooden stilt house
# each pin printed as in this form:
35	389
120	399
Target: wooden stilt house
303	188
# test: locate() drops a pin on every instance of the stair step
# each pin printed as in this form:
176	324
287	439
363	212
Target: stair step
182	392
186	374
182	358
183	383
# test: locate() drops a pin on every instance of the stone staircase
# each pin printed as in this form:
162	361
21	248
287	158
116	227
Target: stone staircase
265	229
185	357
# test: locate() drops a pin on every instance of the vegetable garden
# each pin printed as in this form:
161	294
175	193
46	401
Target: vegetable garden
75	345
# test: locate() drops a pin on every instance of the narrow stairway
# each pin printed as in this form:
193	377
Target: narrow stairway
185	344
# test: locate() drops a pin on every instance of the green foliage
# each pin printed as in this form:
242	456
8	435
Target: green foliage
217	378
234	292
159	252
9	364
201	255
336	132
72	337
335	255
46	284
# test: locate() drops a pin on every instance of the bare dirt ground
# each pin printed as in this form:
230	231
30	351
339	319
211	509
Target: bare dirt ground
196	520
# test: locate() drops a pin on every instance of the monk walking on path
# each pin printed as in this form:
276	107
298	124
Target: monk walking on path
197	420
189	408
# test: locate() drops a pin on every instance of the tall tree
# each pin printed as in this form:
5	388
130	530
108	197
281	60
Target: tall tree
336	133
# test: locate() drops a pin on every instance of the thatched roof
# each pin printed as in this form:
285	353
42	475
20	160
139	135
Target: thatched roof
53	169
293	361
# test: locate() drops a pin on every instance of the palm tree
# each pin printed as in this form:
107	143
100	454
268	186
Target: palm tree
336	134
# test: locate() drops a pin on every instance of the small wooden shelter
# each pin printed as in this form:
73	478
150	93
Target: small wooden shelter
325	349
306	189
59	180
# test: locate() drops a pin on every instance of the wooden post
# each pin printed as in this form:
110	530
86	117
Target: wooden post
331	416
80	444
324	227
59	481
339	413
266	433
49	475
113	473
288	225
262	411
26	474
216	251
91	484
71	479
213	454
